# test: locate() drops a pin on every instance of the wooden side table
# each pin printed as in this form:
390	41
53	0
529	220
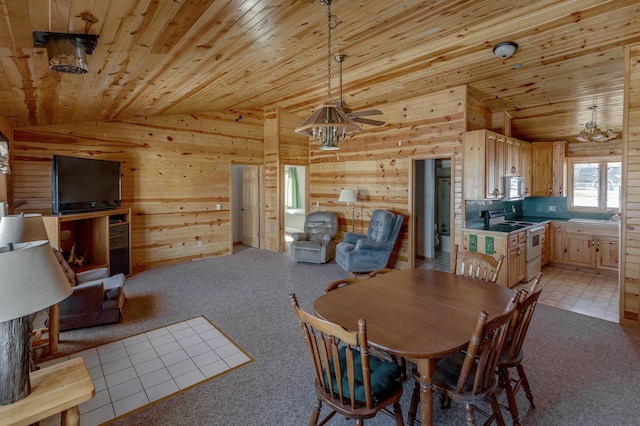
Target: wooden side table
59	388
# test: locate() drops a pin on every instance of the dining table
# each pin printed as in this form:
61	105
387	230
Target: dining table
418	314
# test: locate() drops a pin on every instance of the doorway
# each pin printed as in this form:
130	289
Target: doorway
433	213
295	199
246	200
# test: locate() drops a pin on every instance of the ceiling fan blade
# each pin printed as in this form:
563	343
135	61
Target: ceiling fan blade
366	113
368	121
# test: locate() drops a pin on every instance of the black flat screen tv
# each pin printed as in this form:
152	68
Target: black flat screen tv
81	185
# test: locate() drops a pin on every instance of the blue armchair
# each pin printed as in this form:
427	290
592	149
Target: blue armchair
359	254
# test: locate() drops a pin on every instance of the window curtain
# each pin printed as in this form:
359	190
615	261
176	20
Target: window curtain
293	187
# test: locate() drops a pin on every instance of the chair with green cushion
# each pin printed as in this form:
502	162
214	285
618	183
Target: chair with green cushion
469	376
358	386
514	352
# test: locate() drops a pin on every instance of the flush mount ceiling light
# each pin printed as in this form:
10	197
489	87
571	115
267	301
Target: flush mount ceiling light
505	50
329	125
66	52
593	132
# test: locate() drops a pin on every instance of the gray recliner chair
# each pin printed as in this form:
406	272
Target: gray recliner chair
359	254
317	243
97	298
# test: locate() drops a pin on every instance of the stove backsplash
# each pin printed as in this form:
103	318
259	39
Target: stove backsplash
474	209
547	207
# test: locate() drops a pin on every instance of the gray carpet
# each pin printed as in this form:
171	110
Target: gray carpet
583	371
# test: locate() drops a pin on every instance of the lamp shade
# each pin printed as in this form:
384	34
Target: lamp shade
32	279
22	228
347	196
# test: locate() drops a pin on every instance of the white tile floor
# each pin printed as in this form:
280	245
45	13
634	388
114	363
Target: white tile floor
585	292
133	372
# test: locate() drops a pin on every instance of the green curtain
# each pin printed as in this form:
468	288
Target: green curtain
295	192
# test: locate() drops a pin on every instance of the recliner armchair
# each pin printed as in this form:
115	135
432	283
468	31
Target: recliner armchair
359	253
97	298
317	243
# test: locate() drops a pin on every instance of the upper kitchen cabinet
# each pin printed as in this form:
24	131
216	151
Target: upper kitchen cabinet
488	158
548	171
483	162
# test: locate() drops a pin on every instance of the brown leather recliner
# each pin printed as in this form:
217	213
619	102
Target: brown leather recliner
97	298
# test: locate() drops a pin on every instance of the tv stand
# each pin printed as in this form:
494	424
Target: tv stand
102	238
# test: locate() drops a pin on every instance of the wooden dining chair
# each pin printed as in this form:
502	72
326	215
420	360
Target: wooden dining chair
476	265
348	380
340	283
469	376
379	272
514	353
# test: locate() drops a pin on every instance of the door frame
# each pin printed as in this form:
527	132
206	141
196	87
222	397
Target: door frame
232	213
306	195
412	200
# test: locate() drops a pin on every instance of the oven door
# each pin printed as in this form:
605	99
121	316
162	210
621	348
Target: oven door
534	242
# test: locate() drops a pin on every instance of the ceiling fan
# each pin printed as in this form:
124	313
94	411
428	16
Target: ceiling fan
356	116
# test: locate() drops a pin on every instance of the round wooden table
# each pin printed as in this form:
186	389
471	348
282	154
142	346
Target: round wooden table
418	314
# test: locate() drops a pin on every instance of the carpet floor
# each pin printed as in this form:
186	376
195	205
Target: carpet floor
583	370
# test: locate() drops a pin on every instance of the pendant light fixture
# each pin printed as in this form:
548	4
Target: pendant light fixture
593	132
329	125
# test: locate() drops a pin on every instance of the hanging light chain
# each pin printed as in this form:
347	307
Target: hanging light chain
332	23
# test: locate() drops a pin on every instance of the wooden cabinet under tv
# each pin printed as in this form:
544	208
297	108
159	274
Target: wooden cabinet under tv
103	238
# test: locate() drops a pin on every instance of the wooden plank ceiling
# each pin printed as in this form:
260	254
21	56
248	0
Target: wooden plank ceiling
159	57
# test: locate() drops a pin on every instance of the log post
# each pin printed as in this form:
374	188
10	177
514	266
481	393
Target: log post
15	359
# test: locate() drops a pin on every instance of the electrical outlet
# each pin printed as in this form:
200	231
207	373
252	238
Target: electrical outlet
199	243
552	208
218	206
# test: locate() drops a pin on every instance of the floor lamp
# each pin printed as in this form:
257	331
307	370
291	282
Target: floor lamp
349	196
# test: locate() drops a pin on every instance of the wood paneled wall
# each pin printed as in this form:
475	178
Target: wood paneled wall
282	146
175	169
378	163
630	226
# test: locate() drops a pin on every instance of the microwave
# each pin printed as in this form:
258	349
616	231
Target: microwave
514	188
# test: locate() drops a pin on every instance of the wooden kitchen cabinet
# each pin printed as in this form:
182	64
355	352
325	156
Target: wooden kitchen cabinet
516	258
556	242
545	240
483	162
489	157
591	246
525	166
548	171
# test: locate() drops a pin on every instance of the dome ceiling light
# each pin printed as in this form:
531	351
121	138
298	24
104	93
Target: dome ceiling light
505	50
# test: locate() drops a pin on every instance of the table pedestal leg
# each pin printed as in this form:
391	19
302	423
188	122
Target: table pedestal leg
425	369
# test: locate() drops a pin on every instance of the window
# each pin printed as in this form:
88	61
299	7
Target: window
291	190
594	185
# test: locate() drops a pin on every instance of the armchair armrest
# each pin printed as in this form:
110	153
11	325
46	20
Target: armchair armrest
85	298
91	275
352	238
299	236
371	245
327	238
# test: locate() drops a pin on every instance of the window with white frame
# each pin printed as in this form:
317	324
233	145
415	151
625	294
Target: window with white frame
594	184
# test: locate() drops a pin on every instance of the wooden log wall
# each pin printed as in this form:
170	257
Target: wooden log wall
282	146
175	169
630	226
378	163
